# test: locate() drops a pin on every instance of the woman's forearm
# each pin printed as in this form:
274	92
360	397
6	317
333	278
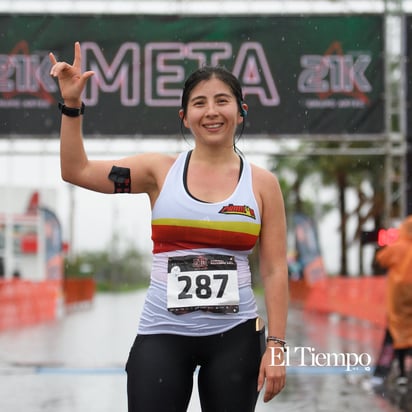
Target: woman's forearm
276	300
73	158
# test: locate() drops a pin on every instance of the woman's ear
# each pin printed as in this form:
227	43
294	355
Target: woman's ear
243	111
183	117
245	108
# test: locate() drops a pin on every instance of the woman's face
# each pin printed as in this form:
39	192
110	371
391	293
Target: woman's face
212	113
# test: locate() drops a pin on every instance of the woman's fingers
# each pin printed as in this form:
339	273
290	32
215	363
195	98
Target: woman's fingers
273	387
58	67
77	56
52	58
53	61
70	78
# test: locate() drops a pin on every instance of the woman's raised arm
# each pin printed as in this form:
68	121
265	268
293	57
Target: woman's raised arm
141	173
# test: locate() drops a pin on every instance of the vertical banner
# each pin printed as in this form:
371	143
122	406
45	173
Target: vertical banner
300	74
54	245
308	250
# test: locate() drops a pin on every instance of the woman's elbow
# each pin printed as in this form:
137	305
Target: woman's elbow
67	176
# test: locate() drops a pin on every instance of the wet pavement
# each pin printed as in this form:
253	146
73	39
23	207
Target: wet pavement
76	363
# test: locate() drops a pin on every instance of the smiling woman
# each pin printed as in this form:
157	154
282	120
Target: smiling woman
209	207
216	100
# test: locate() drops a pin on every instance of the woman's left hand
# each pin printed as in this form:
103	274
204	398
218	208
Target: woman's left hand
272	372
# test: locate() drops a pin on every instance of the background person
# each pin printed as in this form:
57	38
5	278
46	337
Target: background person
209	209
397	258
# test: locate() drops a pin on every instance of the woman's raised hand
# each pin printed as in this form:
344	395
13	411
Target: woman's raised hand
71	79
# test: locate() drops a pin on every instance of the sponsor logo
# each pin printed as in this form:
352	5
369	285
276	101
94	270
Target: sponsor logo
200	262
238	210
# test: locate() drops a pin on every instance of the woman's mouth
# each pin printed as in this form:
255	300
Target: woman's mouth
213	126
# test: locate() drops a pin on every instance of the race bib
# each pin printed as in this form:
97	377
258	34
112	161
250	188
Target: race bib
202	282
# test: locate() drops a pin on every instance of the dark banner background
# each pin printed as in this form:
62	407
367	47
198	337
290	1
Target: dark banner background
327	72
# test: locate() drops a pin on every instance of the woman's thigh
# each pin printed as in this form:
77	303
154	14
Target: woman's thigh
159	374
228	376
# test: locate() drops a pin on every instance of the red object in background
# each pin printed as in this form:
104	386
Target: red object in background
33	205
356	297
28	244
26	303
387	236
78	290
66	247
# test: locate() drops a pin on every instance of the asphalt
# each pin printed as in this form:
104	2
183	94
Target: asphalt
76	363
353	386
392	392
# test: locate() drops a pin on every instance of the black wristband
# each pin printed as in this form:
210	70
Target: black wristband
71	111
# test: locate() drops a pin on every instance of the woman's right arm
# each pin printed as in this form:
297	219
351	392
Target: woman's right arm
73	158
146	170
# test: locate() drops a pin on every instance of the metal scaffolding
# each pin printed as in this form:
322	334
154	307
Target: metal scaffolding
395	160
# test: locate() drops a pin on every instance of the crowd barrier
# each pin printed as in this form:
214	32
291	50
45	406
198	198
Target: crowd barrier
78	290
361	297
25	303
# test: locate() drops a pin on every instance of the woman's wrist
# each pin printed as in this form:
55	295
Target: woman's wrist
273	341
73	103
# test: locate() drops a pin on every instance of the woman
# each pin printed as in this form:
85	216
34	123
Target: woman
397	257
209	208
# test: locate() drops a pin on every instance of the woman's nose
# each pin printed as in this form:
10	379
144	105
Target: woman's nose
211	110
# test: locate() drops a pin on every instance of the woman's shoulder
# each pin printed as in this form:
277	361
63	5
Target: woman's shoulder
262	175
155	160
265	186
149	171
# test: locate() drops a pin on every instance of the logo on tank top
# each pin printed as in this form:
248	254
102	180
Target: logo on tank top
238	210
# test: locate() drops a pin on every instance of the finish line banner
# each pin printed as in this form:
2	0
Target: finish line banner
300	75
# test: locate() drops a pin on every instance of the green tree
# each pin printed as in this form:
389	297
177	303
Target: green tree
342	171
350	171
126	270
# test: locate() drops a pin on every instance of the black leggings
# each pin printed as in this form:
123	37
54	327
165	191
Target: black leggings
160	371
401	355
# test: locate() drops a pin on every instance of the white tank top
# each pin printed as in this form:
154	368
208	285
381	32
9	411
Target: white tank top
185	226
